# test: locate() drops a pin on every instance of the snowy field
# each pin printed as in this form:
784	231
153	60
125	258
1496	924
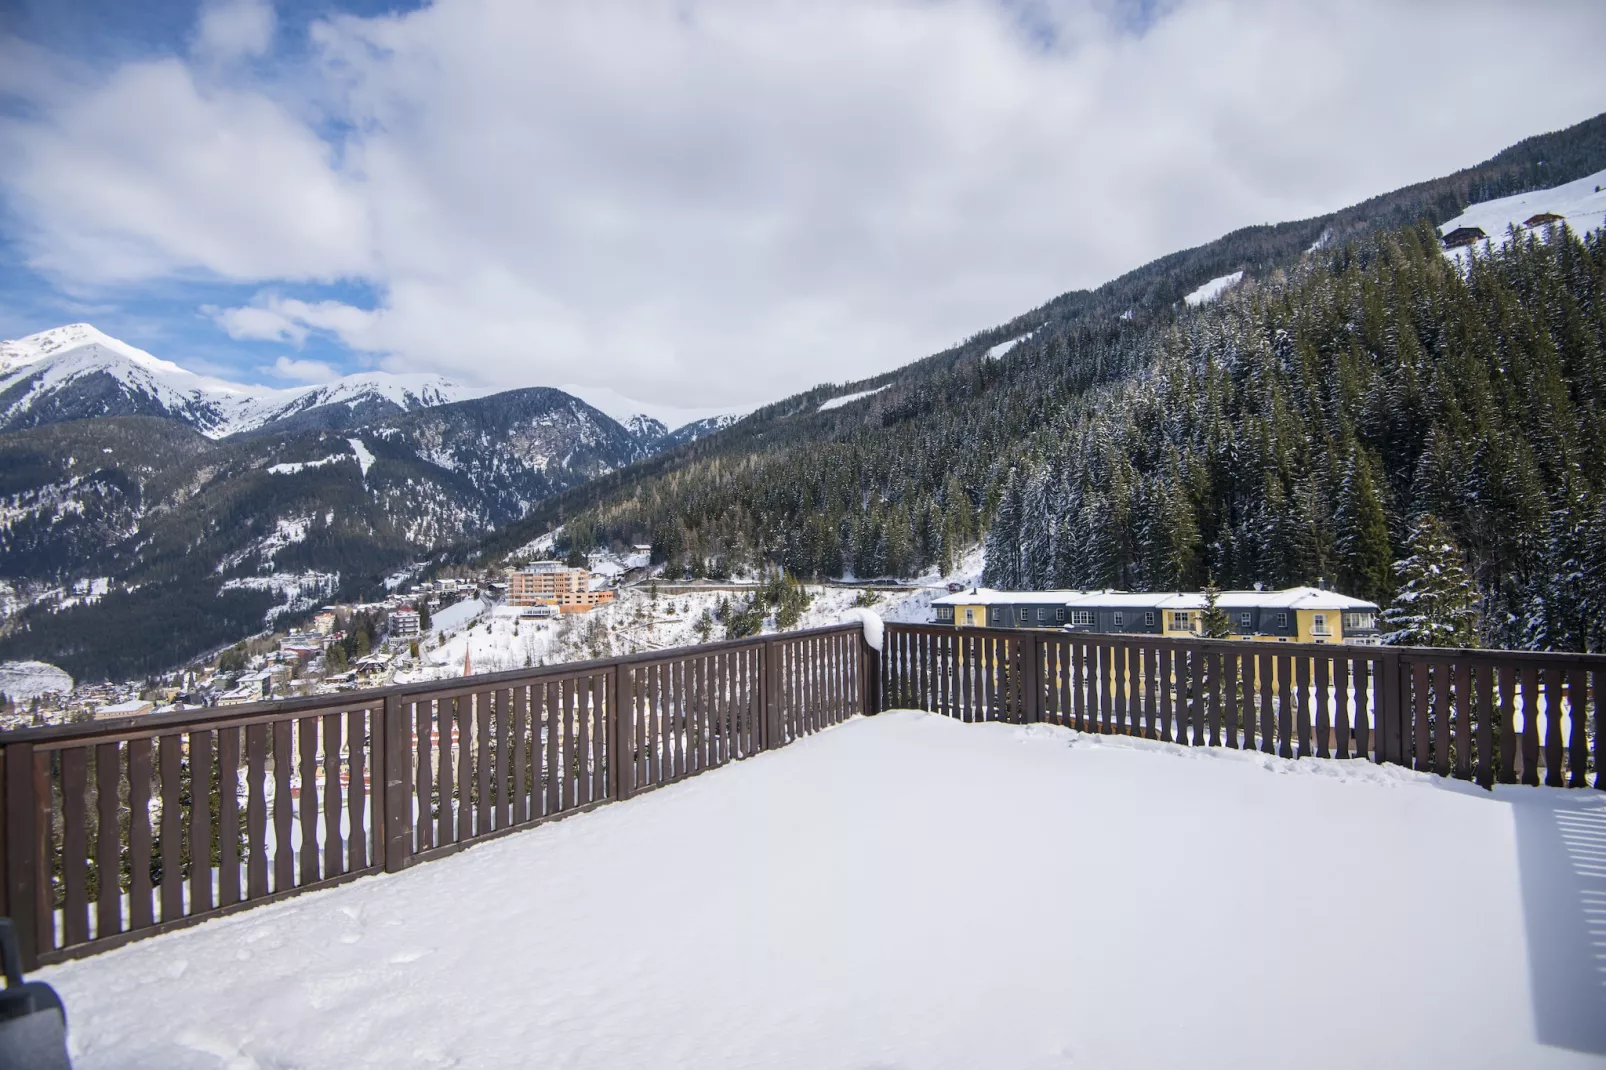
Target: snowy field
1582	204
910	892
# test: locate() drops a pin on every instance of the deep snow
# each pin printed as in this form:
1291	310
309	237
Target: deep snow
908	891
1213	289
1581	203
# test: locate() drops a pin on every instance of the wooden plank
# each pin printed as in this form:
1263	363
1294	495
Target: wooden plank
1461	724
200	843
1420	709
1265	673
358	792
228	816
1342	723
1165	682
1364	706
463	717
284	859
568	728
1212	689
653	705
1578	748
1554	763
1190	727
108	841
484	765
256	811
1285	708
1324	720
1439	684
551	747
520	742
1228	663
140	915
74	849
1600	730
424	774
597	770
307	799
502	699
1118	686
172	829
1302	703
445	771
333	856
1485	714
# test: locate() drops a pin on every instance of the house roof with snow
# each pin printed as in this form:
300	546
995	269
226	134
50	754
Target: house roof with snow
1292	598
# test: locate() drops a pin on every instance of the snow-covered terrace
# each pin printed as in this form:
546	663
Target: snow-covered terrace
910	891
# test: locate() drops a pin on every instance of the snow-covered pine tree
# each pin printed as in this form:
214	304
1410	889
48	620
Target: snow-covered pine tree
1037	532
1214	622
1436	602
1003	569
1362	532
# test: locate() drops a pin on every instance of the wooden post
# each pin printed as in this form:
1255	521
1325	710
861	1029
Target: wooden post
869	677
394	747
1388	724
25	863
620	725
1034	680
767	734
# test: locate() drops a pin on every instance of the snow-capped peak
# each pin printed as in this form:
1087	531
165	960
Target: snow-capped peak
54	375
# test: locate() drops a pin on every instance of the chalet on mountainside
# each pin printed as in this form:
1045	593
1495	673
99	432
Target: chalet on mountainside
1543	219
1463	236
1297	615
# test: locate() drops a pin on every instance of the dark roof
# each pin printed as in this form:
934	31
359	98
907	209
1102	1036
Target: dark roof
1463	236
1541	219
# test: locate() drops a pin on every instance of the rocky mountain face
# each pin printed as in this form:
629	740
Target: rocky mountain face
133	492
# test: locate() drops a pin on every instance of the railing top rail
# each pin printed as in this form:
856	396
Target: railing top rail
1330	650
371	697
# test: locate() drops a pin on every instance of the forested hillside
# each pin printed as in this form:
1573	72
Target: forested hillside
1296	432
1289	433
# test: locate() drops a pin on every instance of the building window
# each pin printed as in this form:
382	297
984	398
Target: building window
1319	624
1282	620
1082	616
970	616
1059	615
1181	621
998	614
1042	614
1359	621
1120	619
1025	615
1244	619
1148	620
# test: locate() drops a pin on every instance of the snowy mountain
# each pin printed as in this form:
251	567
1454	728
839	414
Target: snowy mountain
77	372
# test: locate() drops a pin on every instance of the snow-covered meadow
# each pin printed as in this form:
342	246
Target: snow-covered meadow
908	891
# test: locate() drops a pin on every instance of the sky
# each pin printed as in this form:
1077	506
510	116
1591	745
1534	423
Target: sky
691	206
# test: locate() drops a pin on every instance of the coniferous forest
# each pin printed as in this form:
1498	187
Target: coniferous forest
1296	431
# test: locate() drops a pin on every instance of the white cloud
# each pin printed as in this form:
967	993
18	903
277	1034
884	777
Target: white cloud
230	28
255	323
303	371
154	174
712	203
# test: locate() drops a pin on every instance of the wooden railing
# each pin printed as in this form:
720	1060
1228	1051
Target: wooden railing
117	830
1487	715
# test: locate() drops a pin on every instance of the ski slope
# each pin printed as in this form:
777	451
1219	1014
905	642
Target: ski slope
1213	289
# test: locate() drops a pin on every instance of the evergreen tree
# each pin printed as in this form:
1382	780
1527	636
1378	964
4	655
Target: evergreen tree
1214	622
1436	603
1362	533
